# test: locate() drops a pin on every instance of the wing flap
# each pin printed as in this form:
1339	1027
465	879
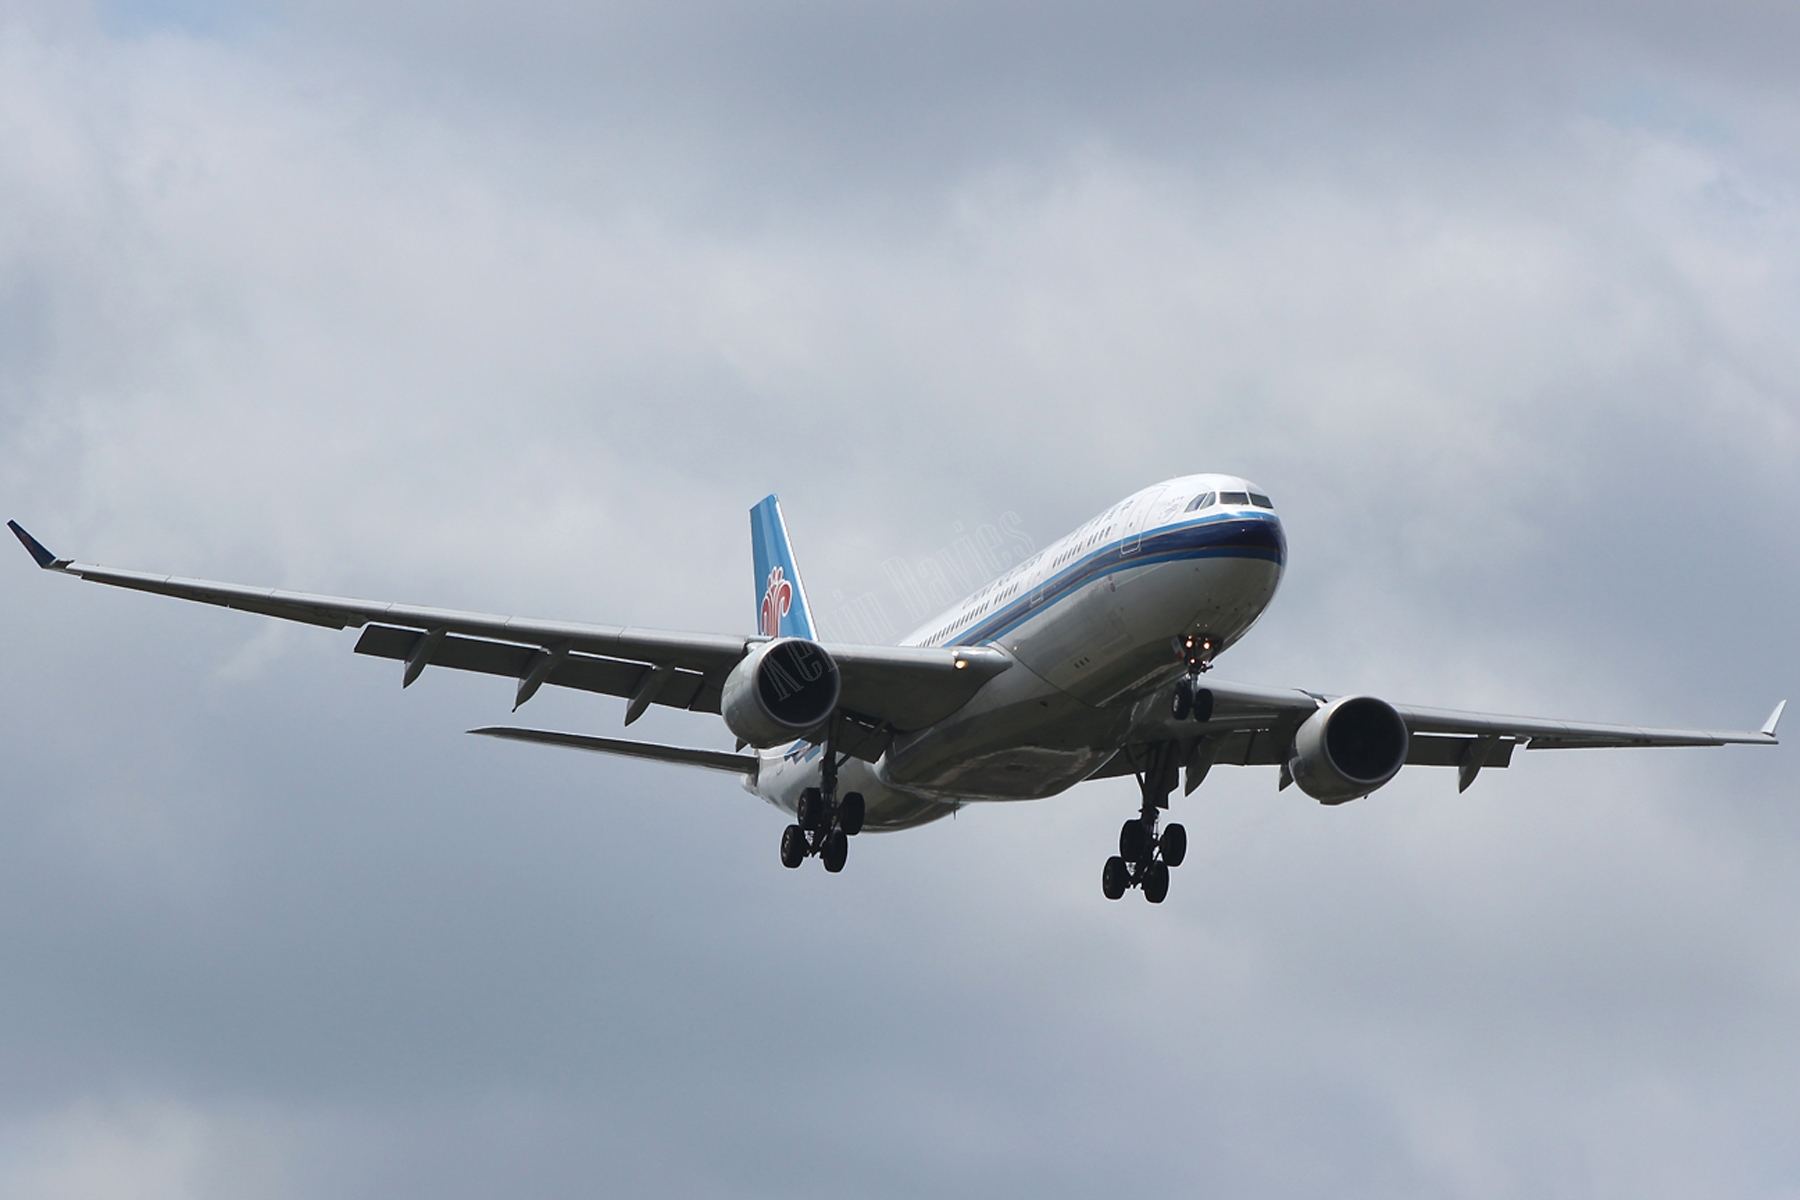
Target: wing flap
460	653
585	672
1254	747
1431	750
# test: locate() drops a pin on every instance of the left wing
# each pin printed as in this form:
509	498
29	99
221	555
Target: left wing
1255	726
885	688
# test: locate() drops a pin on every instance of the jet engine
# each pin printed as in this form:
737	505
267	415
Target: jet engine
780	690
1348	749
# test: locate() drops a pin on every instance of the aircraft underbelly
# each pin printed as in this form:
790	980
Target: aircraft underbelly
887	808
1019	739
1014	773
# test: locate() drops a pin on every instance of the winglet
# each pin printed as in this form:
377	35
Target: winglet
45	559
1768	728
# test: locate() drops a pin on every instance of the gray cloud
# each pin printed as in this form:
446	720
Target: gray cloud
521	310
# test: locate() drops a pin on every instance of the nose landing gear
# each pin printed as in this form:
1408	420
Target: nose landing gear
1192	700
1145	856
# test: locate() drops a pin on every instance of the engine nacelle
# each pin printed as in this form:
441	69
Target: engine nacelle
1348	749
779	691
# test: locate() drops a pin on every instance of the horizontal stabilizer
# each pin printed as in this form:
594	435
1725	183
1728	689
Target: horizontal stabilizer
717	760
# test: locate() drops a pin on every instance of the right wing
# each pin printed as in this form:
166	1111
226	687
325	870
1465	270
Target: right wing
885	688
1255	726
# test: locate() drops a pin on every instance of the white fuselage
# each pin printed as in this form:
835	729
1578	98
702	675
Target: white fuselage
1093	624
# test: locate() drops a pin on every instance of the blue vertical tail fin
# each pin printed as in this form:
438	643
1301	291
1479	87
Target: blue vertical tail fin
781	609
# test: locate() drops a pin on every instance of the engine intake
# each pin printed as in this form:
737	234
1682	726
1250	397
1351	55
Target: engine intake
779	691
1348	749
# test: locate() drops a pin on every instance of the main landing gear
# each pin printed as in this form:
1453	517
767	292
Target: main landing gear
823	824
1145	856
823	828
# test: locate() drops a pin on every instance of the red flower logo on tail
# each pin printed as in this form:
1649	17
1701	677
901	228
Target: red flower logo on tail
778	597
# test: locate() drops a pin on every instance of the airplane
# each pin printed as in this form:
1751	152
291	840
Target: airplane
1089	660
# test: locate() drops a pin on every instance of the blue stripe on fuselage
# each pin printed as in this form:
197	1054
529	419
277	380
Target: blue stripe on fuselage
1243	535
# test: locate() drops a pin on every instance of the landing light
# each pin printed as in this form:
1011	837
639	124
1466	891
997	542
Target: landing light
961	663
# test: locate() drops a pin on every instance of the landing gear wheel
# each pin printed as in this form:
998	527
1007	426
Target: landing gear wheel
1184	699
793	846
1115	878
1156	882
810	811
850	813
1174	845
835	850
1203	704
1134	842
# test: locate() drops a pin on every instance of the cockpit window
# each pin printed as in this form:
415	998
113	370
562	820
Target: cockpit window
1203	500
1261	501
1239	498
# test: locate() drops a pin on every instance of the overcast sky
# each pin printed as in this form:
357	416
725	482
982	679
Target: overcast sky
520	307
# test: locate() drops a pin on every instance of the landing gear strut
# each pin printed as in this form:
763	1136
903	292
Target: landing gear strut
1145	856
823	824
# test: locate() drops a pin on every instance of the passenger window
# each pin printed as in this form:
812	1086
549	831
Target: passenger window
1238	498
1203	500
1261	501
